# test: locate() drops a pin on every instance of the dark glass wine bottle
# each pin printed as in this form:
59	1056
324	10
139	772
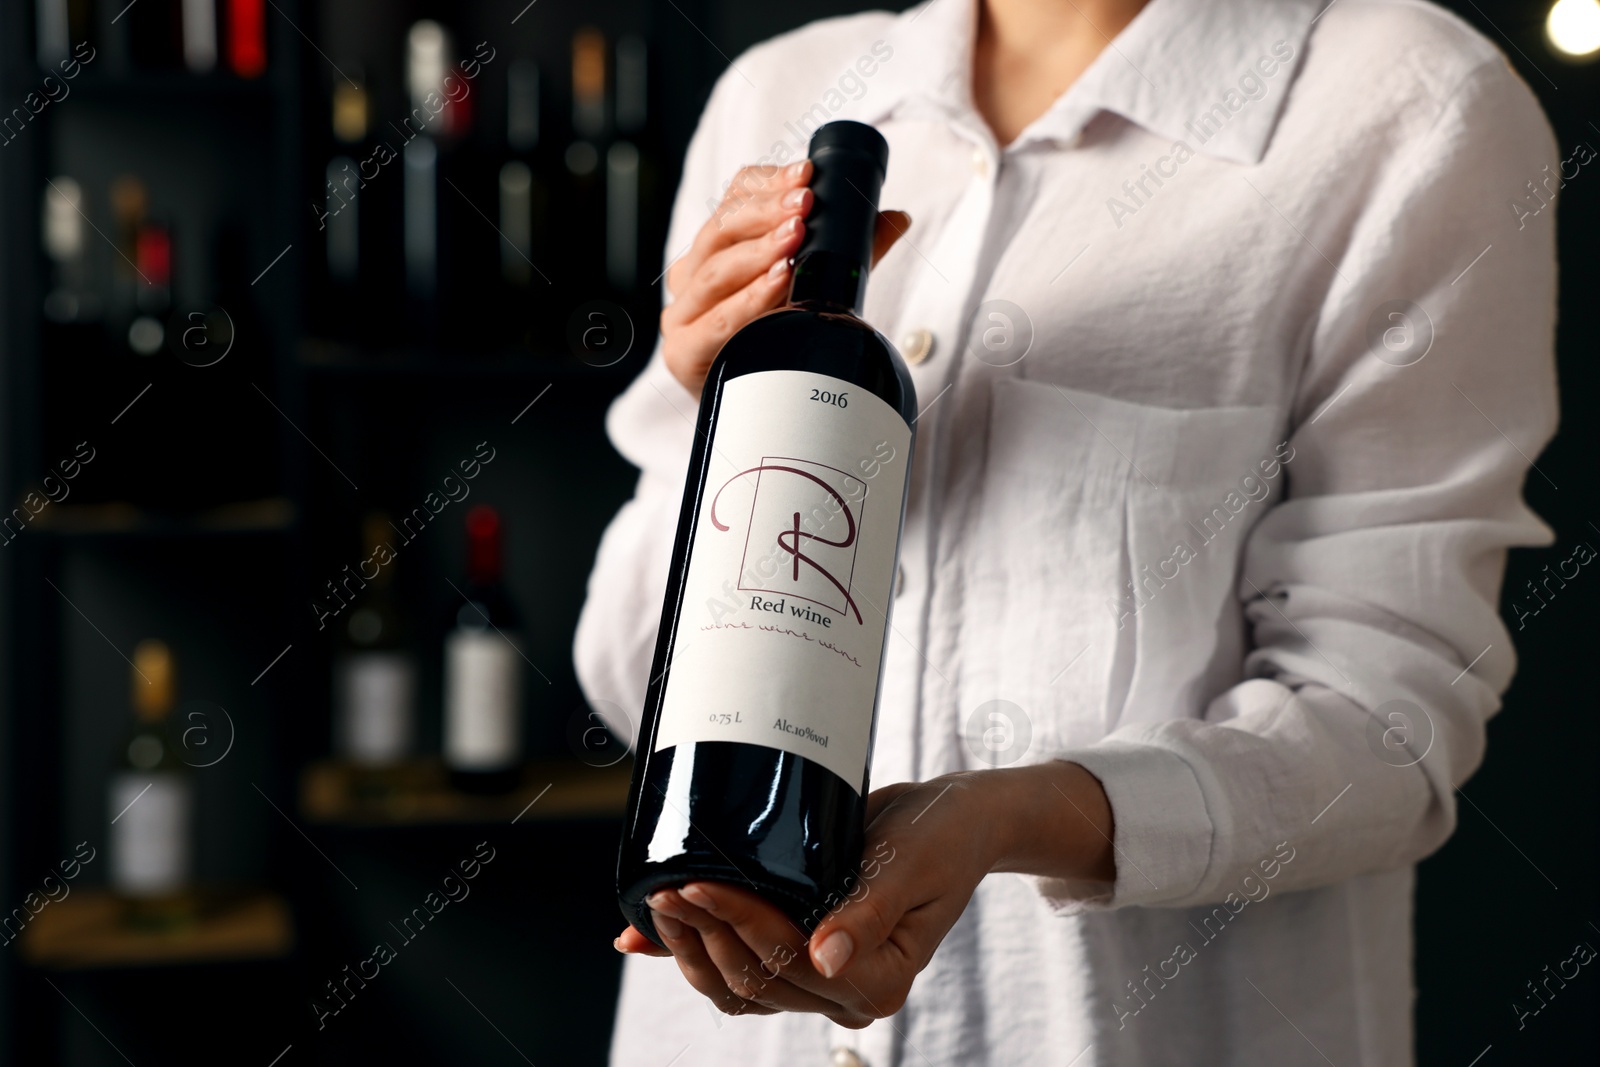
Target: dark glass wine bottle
752	760
483	670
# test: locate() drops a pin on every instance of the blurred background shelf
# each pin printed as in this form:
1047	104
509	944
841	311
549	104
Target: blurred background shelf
164	87
419	793
87	931
331	360
267	516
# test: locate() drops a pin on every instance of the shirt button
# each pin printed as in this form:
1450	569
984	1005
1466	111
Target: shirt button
843	1057
916	346
980	163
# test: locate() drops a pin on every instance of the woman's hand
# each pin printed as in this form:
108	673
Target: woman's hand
738	266
928	846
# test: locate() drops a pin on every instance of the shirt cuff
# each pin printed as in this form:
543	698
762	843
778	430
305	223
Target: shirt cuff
1161	831
652	422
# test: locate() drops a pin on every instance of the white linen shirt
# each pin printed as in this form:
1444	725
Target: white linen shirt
1238	357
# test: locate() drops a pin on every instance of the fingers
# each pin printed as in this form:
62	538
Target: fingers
891	226
750	976
731	269
756	201
689	950
633	942
703	337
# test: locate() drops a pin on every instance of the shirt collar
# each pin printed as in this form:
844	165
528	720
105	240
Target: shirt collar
1176	63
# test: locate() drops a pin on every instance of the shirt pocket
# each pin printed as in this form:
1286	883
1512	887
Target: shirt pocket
1099	584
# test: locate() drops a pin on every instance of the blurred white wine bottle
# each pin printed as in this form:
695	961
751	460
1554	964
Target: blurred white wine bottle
151	799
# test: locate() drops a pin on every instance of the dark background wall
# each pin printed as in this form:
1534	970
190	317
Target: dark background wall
390	405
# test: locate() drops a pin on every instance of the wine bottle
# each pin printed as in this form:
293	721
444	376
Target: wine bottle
130	206
153	294
375	678
151	799
70	334
622	216
483	670
583	201
521	193
70	299
752	760
199	35
633	84
247	37
341	213
52	37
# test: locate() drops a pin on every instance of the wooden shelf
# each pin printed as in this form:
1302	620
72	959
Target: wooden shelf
87	930
143	86
420	793
271	515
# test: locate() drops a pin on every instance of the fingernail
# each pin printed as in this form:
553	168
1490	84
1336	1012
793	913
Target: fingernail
699	898
834	953
664	904
787	228
667	926
796	170
779	269
794	197
616	943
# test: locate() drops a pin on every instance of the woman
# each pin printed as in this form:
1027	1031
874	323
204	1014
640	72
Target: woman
1232	360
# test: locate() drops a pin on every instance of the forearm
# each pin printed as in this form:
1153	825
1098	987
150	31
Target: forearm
1050	819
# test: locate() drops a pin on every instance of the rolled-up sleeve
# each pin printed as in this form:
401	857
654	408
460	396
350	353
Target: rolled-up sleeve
1372	588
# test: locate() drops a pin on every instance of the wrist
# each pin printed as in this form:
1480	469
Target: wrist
1051	819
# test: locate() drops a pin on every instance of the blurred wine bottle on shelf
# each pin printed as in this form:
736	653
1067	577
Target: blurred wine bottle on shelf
245	27
147	333
483	684
72	308
375	676
58	26
130	204
633	84
428	125
522	196
581	241
341	213
199	27
151	801
624	163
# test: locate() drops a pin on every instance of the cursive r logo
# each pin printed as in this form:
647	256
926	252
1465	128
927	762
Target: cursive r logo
790	538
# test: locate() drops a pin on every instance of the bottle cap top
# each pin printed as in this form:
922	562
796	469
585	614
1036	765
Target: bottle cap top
849	160
847	136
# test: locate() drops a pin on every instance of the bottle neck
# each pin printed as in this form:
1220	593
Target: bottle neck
828	281
483	559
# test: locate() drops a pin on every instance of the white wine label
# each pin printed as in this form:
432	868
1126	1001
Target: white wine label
151	831
781	632
483	701
375	694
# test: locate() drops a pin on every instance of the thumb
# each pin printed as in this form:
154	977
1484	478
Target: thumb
891	226
855	929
